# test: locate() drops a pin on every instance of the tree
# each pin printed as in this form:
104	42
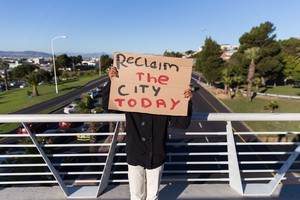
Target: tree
228	80
47	77
269	65
21	71
251	54
33	79
105	62
209	62
3	66
173	54
75	60
63	61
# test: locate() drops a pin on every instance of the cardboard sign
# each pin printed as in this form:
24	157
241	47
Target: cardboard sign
150	84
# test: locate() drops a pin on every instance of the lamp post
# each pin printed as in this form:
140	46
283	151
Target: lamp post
54	68
99	65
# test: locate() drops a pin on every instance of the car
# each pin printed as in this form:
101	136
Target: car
77	99
55	139
92	94
70	108
33	127
23	85
85	128
65	125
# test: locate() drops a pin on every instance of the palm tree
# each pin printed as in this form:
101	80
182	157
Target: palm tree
257	82
33	79
3	66
252	54
227	80
238	79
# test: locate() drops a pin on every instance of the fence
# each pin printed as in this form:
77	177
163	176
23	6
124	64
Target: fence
243	160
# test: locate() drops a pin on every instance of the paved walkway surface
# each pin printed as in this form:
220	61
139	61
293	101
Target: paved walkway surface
167	192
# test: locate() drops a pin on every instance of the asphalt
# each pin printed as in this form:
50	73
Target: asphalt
167	192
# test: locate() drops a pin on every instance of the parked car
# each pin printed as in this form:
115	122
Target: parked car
69	124
85	128
55	139
77	99
92	94
33	127
70	108
23	85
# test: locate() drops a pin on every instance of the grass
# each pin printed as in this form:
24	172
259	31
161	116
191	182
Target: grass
282	89
242	105
14	100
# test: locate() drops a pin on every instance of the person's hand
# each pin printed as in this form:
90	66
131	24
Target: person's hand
188	94
113	72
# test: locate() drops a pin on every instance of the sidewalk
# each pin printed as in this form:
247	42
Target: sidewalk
167	192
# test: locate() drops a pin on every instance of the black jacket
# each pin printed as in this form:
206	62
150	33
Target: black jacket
146	134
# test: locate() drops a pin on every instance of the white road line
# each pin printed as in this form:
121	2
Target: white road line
200	125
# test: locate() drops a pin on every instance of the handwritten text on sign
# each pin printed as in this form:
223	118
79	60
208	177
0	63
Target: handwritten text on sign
150	84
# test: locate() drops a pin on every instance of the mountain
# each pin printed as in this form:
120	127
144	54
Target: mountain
30	54
24	54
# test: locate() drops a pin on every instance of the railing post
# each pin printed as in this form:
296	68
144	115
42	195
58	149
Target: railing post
48	162
235	181
109	160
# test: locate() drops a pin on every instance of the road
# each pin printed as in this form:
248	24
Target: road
62	100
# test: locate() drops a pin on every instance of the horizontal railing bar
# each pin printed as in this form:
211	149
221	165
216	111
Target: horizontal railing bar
193	179
9	118
268	143
26	182
56	145
78	164
267	170
25	174
197	163
259	179
20	155
198	154
258	170
80	173
17	145
14	135
262	162
71	134
185	162
77	154
268	133
23	165
194	171
198	133
264	153
196	144
177	180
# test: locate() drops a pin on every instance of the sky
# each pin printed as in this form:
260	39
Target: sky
138	26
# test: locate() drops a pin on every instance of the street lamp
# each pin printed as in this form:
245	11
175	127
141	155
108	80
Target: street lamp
54	68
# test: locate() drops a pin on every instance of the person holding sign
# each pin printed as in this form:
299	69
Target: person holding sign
146	136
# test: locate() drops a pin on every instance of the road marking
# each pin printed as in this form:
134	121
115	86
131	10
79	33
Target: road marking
235	131
200	125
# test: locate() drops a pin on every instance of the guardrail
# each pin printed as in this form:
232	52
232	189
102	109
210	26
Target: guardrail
251	165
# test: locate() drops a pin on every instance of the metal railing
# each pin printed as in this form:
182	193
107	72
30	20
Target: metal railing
253	163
